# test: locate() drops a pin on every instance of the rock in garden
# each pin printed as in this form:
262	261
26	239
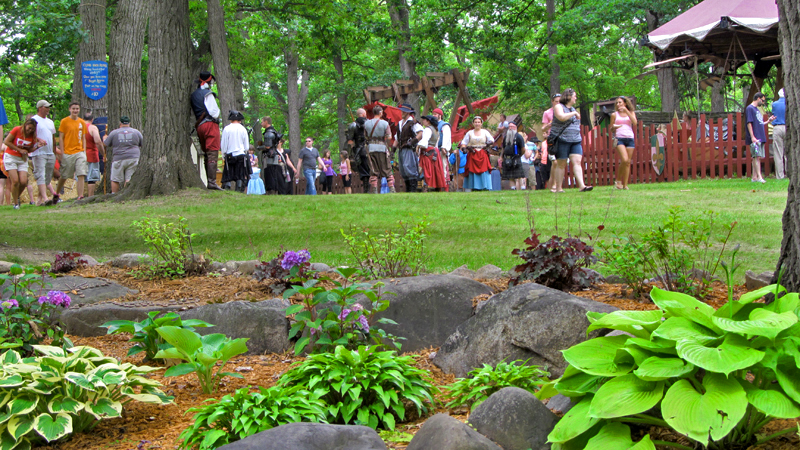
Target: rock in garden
85	322
514	419
442	432
311	436
429	308
489	272
263	322
753	281
615	279
5	266
528	321
595	275
321	267
560	404
217	266
128	260
88	291
464	271
91	262
232	266
248	267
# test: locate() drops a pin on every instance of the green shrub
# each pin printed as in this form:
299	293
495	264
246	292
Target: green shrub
627	259
144	332
485	381
48	397
716	377
343	321
364	386
170	245
201	353
237	416
391	253
26	316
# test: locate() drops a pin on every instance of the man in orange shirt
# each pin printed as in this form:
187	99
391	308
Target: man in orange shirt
72	139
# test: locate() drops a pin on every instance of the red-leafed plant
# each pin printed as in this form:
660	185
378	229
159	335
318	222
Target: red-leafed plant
559	263
67	261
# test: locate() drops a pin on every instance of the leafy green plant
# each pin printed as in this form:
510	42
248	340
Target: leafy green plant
716	377
391	253
47	397
329	317
485	381
364	386
27	316
170	245
144	332
237	416
559	263
201	353
625	257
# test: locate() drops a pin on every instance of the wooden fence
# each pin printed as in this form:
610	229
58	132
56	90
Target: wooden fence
717	152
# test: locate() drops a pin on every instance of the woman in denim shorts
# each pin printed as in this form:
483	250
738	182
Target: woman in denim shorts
623	121
567	126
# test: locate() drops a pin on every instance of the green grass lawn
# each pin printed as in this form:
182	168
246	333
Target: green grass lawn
467	228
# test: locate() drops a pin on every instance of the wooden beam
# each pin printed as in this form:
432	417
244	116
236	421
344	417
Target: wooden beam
368	96
384	92
430	103
435	74
462	88
457	103
396	94
404	82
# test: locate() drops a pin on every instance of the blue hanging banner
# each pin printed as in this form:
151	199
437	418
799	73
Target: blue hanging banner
95	79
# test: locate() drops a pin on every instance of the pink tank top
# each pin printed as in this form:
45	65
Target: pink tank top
343	168
625	130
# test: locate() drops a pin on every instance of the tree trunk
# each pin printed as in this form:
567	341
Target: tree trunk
718	94
789	37
552	50
293	98
165	165
93	19
341	98
667	82
226	81
398	12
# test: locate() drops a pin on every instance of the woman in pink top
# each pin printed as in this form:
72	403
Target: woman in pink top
623	121
345	172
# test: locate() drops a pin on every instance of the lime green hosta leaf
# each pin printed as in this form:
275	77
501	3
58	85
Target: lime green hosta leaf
575	382
81	380
185	341
789	377
168	353
4	398
624	396
758	293
662	368
180	369
575	422
697	415
762	322
770	402
637	323
680	329
682	305
104	408
654	344
732	354
64	404
52	427
11	381
19	426
598	356
234	348
22	404
617	436
789	302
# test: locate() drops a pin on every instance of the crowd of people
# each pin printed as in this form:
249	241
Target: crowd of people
74	151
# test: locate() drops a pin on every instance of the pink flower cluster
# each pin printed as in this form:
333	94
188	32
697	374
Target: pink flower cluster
56	298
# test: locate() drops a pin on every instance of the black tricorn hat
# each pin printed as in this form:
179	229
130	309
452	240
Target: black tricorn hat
406	108
206	76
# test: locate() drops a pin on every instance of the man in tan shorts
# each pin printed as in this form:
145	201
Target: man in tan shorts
72	139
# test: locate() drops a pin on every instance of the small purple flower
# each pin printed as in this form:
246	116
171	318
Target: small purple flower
291	259
56	298
364	324
344	313
8	304
357	307
314	330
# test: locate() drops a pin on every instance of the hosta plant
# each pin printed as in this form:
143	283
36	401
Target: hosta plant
484	381
237	416
144	332
716	377
364	386
201	355
47	397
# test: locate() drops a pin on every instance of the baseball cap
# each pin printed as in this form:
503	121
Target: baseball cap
41	103
125	120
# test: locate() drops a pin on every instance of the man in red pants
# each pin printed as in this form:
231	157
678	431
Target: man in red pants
206	111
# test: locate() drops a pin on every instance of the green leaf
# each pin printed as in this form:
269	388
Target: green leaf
64	404
104	408
575	382
732	354
644	444
22	404
613	436
637	323
294	309
20	426
660	368
697	415
49	350
762	323
625	396
770	402
53	427
758	293
80	380
12	381
212	438
233	348
185	341
169	353
301	344
180	369
677	304
598	356
575	421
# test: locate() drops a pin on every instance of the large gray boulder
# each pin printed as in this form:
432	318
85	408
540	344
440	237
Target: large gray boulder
311	436
514	419
86	321
428	309
442	432
129	260
263	322
5	266
465	272
88	291
753	281
528	321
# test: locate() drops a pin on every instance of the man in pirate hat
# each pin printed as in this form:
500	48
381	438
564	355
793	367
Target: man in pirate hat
409	133
206	113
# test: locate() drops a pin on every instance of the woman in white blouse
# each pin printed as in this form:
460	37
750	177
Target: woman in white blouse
478	168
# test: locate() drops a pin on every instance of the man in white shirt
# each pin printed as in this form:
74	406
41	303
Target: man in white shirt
445	143
235	142
206	111
44	159
409	133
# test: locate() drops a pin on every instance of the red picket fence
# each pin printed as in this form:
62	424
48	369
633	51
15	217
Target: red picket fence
715	154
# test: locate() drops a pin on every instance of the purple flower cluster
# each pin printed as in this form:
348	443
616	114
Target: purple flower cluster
8	304
362	321
56	298
291	259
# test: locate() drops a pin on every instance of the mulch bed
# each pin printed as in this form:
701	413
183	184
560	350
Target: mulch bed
161	425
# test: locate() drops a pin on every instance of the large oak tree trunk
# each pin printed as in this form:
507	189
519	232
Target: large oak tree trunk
165	165
552	50
226	81
293	100
341	98
789	37
667	81
93	20
398	12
